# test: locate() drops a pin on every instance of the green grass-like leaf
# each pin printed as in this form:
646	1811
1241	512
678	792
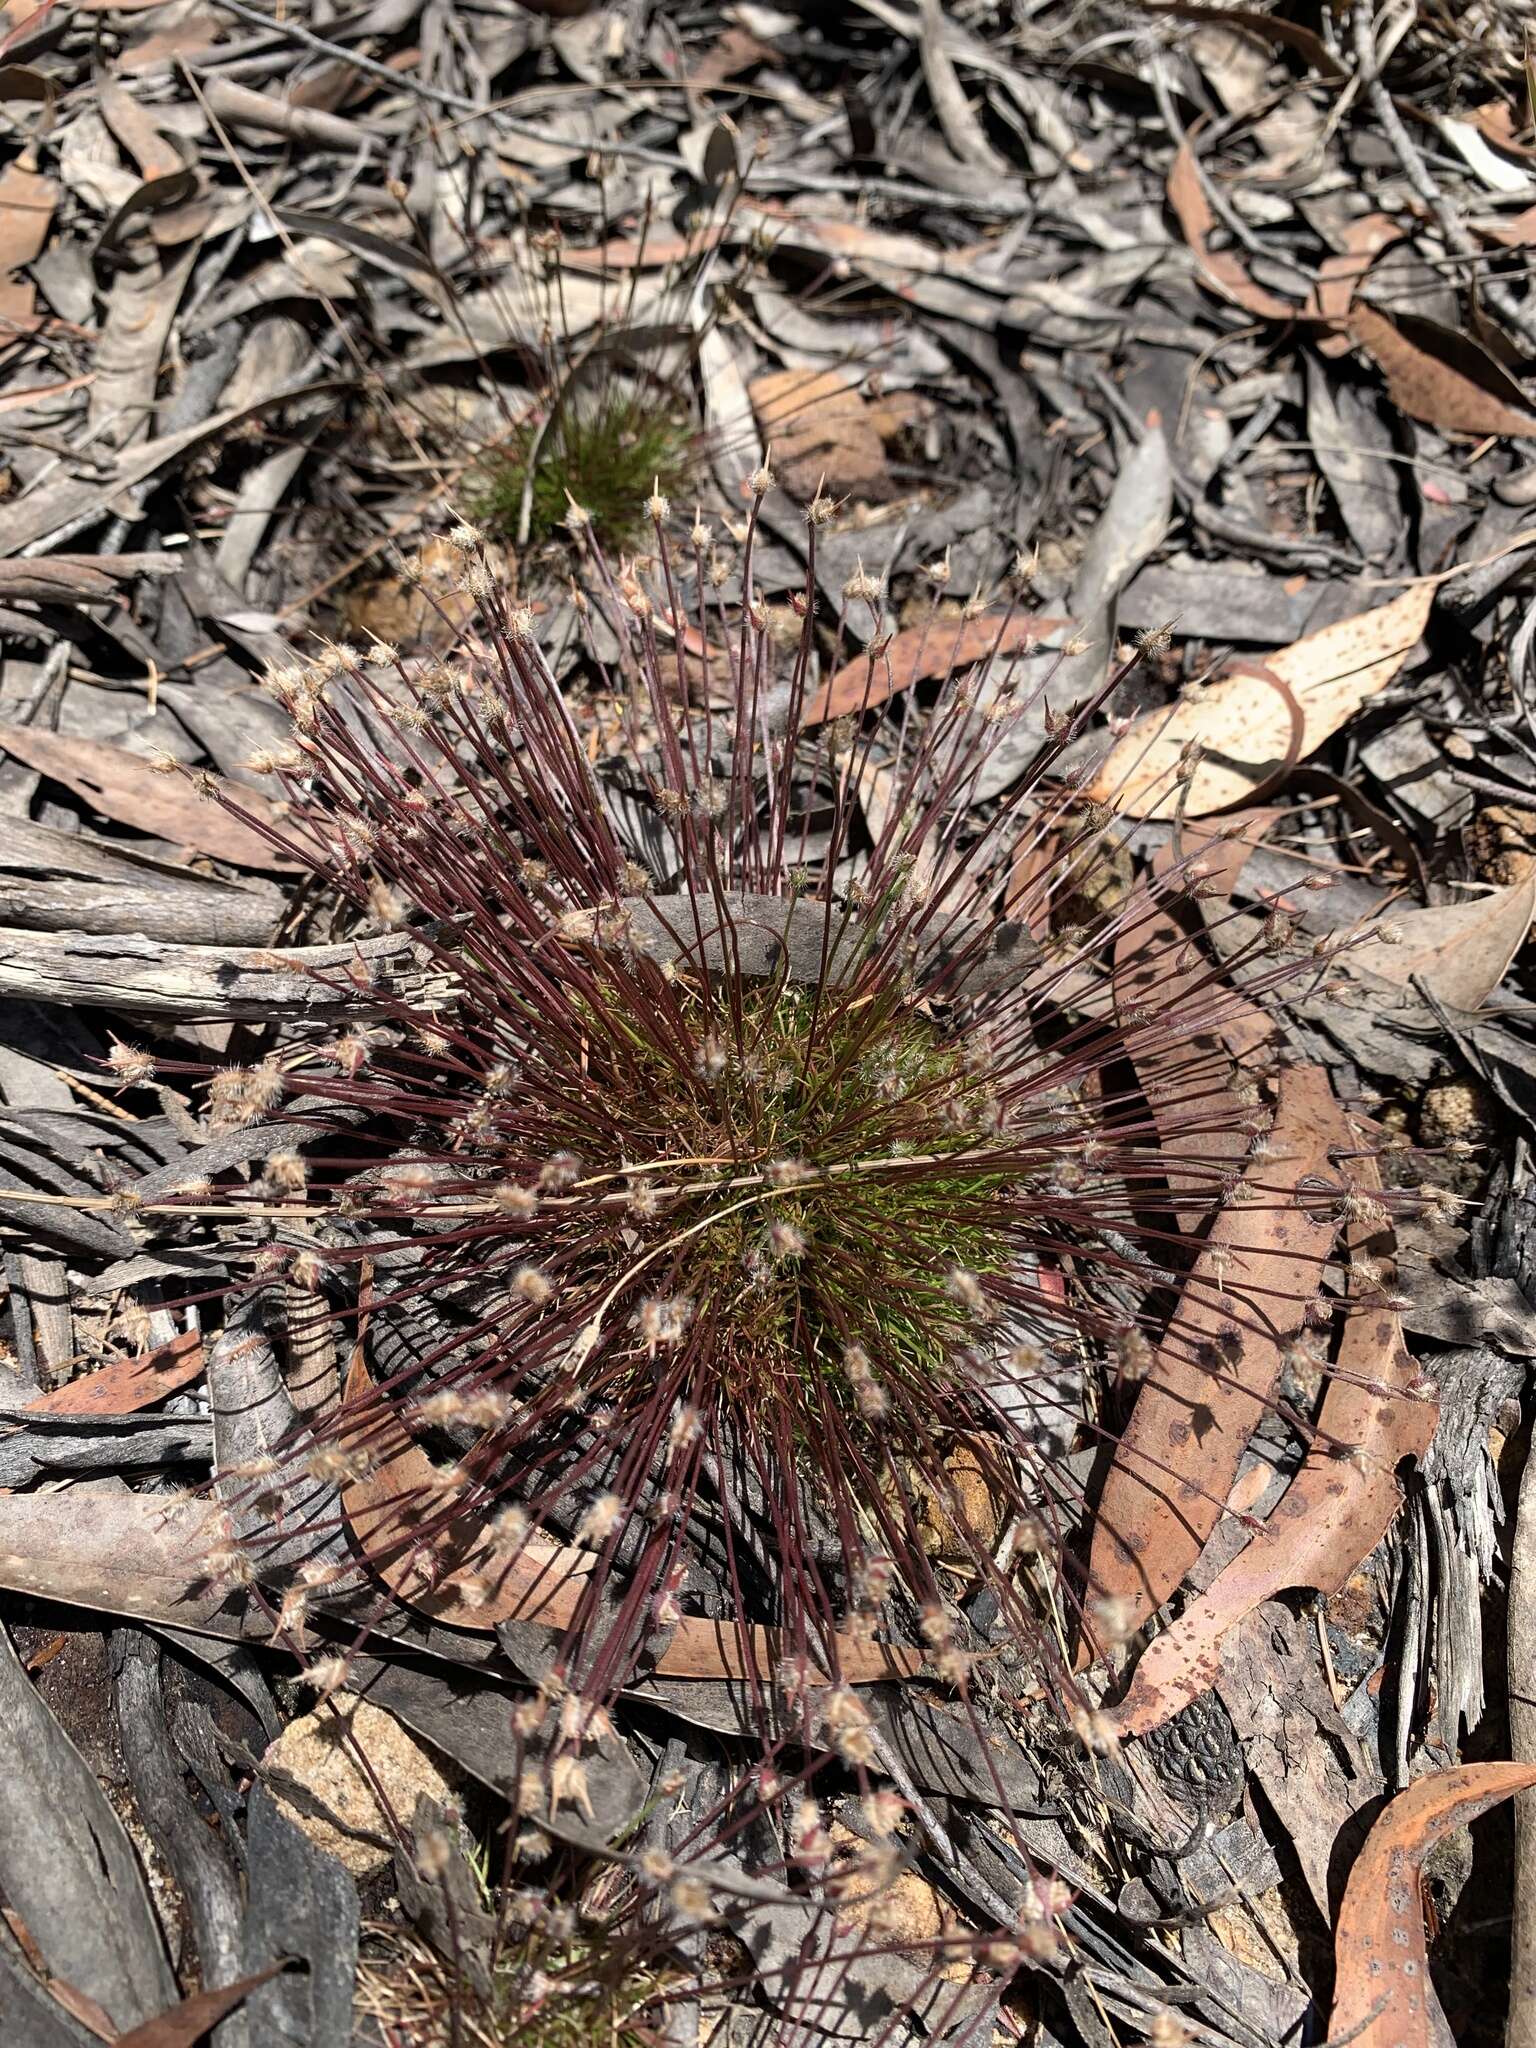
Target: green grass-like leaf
608	453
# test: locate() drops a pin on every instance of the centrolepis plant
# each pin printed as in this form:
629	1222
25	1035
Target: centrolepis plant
764	1905
603	447
731	1212
611	356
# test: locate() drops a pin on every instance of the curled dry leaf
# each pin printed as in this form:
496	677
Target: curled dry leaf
1339	276
1383	1997
918	653
26	214
535	1581
1334	1512
1444	378
1259	720
1218	1363
825	435
1460	951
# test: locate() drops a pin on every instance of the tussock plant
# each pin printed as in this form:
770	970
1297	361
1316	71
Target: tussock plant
611	361
734	1199
602	448
764	1909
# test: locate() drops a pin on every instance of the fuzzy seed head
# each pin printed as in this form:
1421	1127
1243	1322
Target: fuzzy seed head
602	1517
663	1322
327	1674
531	1284
131	1065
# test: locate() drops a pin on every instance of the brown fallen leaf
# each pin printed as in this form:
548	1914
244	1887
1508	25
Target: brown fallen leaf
1498	124
125	787
1383	1996
127	1384
429	611
535	1581
1218	1363
1339	276
1518	233
184	2024
643	252
1461	951
1333	1513
1260	719
135	129
1444	378
824	433
26	214
919	653
1151	968
1222	270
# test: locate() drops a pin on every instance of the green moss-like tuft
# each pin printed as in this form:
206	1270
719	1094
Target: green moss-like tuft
608	453
850	1090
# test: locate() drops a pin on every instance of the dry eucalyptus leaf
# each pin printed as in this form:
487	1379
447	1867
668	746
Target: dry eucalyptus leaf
1261	719
938	647
1384	1997
822	433
128	788
1333	1513
1222	270
1460	951
1443	377
1178	1456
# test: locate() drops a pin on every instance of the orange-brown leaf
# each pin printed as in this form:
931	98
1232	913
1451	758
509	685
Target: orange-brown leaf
127	1384
1333	1513
126	787
1339	276
919	653
1383	1997
26	213
823	433
1443	378
1176	1461
1195	1068
1222	270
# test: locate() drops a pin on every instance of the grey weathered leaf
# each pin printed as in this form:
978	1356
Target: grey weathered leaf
302	1903
67	1866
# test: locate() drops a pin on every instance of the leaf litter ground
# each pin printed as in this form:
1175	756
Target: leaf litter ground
1220	320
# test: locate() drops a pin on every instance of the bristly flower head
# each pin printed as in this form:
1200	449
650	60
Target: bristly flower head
714	1109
